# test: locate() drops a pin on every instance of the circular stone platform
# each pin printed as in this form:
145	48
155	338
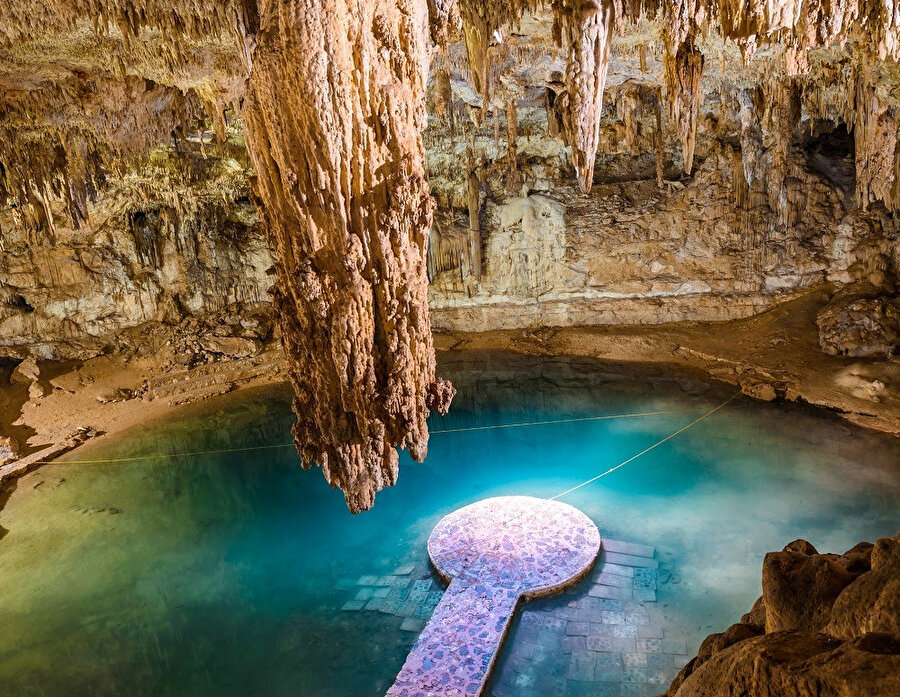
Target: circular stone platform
493	553
532	545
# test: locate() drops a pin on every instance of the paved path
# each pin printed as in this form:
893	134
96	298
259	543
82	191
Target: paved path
494	553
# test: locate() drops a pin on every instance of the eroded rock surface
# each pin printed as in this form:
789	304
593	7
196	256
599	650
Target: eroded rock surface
826	624
334	125
860	322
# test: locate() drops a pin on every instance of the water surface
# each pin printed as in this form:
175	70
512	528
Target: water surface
225	574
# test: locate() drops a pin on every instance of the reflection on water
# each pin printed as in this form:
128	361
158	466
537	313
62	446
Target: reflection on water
225	574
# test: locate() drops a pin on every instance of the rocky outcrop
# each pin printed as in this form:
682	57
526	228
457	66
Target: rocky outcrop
178	239
826	624
861	323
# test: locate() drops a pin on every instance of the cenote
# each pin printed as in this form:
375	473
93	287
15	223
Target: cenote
226	573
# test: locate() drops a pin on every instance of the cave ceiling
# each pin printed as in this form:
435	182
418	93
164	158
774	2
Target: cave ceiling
332	99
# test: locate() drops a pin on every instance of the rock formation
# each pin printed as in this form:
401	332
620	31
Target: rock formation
825	625
659	161
335	115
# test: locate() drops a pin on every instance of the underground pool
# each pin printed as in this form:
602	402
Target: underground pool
235	572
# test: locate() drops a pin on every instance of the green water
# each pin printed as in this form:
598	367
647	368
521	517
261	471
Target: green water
225	574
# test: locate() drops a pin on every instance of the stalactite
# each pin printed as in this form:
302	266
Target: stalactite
659	141
875	137
784	116
738	180
474	191
683	68
630	107
442	93
443	18
341	187
554	119
63	146
481	19
512	137
586	28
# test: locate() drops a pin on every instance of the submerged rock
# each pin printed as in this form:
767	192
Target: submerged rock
825	625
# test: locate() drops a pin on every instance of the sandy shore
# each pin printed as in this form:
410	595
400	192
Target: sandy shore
771	356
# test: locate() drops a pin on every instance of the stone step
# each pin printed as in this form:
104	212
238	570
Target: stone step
631	548
608	568
627	560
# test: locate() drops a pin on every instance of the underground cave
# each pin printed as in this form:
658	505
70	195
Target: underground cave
449	348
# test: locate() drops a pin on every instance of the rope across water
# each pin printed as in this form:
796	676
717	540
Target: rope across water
645	450
605	417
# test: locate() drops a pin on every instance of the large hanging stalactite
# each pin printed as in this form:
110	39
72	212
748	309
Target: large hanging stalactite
683	68
586	29
334	125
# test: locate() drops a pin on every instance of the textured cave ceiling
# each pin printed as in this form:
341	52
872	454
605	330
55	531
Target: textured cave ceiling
333	100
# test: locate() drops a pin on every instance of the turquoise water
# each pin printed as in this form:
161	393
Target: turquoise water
225	574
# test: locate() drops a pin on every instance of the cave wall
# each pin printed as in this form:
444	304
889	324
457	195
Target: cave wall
702	247
179	240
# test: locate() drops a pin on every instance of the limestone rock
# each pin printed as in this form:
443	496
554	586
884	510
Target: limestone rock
347	212
25	373
800	586
860	326
832	627
872	602
9	450
230	346
799	663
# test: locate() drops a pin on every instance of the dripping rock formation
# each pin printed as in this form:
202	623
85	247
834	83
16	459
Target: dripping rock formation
345	176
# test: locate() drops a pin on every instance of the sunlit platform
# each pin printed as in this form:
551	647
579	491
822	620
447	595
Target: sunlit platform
493	553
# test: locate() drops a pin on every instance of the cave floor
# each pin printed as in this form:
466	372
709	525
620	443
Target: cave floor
772	355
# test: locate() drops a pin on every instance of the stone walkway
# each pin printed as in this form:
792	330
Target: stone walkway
494	553
605	637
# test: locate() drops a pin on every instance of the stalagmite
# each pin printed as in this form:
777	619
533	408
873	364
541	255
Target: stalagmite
341	185
683	68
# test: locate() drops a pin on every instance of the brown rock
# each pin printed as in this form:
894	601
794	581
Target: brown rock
341	185
799	587
857	654
864	327
25	373
756	618
230	346
872	602
798	664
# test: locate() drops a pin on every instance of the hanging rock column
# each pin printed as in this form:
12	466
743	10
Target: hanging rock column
334	121
585	28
